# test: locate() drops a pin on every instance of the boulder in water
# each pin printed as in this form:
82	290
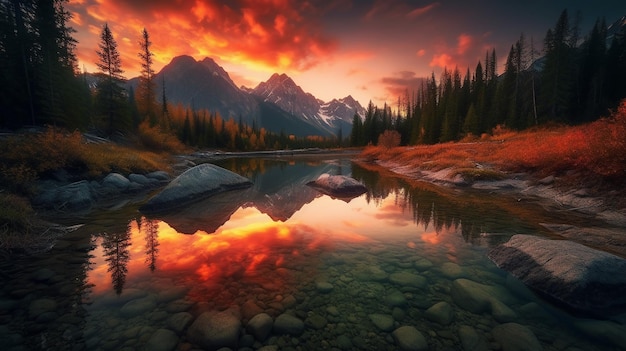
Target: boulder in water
578	276
338	186
193	185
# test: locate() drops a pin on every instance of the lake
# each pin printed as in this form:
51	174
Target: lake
377	272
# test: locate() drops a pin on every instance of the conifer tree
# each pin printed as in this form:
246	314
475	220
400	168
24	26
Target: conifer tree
146	96
110	94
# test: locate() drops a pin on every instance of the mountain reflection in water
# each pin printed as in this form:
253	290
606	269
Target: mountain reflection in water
281	247
248	235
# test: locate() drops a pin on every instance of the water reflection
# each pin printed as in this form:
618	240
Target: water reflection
116	252
482	219
395	252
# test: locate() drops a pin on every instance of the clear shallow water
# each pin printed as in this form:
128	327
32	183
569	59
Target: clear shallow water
350	271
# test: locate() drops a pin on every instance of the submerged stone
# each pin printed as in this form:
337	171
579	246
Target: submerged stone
162	340
515	337
382	321
213	330
288	324
260	326
441	312
408	338
193	185
408	279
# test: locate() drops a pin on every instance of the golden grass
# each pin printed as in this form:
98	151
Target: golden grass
593	151
25	158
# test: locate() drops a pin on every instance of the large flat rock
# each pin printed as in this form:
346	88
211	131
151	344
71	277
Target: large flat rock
193	185
578	276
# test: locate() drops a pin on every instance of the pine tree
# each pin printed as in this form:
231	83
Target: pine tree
146	97
356	135
557	83
110	94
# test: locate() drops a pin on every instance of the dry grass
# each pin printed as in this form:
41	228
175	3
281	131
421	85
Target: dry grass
25	158
595	151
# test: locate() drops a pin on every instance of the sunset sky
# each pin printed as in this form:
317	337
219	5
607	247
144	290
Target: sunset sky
372	50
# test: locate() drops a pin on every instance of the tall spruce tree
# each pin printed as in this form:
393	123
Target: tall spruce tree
110	92
557	83
146	96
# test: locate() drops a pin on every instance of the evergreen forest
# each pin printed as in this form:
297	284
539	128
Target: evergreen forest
571	80
568	78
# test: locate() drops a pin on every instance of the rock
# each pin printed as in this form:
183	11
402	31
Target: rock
77	196
250	309
407	279
288	324
179	321
161	176
470	339
41	306
316	321
547	180
260	326
441	313
138	306
162	340
289	301
371	273
408	338
171	294
515	337
580	277
338	186
142	179
474	297
116	180
382	321
344	342
501	312
212	330
423	264
395	299
193	185
451	270
324	287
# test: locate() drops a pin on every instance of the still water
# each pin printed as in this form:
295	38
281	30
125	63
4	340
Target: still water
280	266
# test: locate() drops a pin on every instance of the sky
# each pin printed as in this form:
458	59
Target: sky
374	50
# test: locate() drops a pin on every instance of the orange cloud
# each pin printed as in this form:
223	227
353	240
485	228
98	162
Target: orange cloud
420	53
464	42
441	60
258	33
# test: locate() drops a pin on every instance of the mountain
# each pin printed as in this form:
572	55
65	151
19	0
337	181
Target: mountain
204	85
278	105
329	117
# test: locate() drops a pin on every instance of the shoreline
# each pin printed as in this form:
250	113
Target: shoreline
554	198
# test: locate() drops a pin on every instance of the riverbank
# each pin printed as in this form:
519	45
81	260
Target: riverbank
482	166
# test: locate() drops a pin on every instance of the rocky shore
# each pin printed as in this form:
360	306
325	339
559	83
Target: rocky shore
600	209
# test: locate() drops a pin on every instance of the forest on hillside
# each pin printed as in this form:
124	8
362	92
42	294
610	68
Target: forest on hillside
572	79
37	56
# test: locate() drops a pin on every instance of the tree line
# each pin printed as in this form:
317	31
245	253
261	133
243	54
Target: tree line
574	81
47	88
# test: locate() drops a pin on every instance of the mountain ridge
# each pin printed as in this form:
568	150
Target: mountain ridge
278	104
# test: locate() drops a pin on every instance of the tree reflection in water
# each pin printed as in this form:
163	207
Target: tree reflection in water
150	227
117	255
